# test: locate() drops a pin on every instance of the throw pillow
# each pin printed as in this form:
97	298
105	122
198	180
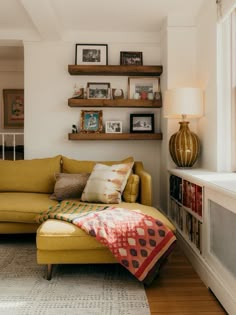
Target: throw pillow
69	186
131	190
106	183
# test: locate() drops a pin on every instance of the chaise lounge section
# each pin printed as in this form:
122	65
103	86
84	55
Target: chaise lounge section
26	189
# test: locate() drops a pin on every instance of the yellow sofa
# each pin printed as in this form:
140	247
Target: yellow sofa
25	190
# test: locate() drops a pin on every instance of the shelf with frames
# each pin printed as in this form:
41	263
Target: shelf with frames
130	103
116	70
115	136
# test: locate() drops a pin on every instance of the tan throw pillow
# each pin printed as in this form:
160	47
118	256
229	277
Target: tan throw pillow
131	191
106	183
69	186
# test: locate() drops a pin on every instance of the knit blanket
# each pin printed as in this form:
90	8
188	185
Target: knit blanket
138	241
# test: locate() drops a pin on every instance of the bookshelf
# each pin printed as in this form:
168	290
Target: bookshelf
185	209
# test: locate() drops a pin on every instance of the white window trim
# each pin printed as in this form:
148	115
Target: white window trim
226	120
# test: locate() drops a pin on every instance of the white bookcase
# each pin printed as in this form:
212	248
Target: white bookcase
186	209
202	206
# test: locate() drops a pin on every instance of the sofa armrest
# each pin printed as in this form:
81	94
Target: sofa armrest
145	190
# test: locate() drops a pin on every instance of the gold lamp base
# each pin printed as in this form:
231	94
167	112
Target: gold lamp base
184	146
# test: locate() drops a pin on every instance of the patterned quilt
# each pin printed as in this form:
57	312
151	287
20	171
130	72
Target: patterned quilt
138	241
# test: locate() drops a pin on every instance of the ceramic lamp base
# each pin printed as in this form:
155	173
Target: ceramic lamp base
184	146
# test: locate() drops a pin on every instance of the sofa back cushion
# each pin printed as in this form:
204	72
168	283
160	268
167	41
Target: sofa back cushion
36	175
76	166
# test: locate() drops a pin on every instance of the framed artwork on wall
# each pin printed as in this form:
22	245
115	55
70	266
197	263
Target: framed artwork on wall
13	107
91	54
91	121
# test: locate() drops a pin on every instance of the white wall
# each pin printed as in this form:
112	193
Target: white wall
179	60
11	77
48	119
206	76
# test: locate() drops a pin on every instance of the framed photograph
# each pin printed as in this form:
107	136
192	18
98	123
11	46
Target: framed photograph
91	121
131	58
143	88
13	104
91	54
113	126
142	123
98	90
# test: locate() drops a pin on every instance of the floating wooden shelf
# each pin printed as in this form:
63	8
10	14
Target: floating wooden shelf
115	70
77	102
115	136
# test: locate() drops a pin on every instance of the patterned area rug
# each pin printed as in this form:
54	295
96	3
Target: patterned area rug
74	289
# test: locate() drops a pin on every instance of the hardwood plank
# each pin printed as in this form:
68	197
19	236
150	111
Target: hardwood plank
179	290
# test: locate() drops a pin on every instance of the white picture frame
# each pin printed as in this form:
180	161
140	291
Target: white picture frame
91	54
113	126
142	87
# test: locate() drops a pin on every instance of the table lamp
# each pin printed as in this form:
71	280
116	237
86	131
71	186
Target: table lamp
184	145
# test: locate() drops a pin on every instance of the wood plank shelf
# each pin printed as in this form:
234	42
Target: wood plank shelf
115	136
116	70
78	102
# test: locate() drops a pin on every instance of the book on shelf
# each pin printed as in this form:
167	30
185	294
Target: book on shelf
199	200
176	187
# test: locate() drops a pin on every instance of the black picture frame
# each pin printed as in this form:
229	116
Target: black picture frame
132	58
142	123
91	54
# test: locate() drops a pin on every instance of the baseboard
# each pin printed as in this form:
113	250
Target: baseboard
210	278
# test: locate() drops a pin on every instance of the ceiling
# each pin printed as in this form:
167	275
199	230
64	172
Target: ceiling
55	19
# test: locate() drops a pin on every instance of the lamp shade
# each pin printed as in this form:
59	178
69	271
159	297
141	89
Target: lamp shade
183	101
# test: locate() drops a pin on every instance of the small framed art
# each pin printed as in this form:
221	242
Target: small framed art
142	123
91	121
98	90
113	126
131	58
91	54
13	104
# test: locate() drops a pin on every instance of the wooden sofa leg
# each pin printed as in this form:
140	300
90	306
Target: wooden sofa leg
49	272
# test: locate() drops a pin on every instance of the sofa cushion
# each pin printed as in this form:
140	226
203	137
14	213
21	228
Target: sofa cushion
36	175
23	207
77	166
106	183
54	235
69	186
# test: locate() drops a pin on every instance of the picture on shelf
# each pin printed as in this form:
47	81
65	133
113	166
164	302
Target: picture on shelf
131	58
98	90
13	106
142	123
91	121
113	126
143	88
91	54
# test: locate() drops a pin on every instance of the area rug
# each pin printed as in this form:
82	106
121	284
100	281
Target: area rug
74	289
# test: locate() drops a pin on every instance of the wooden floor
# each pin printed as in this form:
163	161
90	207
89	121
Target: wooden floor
180	291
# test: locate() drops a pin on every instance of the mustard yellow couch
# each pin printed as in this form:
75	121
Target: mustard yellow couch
25	190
